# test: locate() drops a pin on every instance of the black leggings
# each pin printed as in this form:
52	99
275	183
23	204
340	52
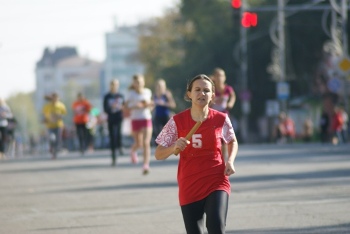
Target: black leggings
3	136
115	136
83	135
214	206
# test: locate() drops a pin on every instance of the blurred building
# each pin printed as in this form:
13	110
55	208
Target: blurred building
65	72
121	57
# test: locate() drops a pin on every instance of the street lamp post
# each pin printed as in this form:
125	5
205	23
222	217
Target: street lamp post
281	47
244	76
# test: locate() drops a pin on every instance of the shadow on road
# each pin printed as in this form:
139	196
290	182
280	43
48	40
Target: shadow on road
83	166
320	174
336	229
71	228
293	153
120	187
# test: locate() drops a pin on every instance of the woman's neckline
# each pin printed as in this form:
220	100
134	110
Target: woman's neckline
199	118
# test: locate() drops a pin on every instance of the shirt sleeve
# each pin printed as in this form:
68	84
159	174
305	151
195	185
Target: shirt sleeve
227	131
229	89
168	135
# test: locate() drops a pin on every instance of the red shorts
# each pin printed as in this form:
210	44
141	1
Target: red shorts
139	124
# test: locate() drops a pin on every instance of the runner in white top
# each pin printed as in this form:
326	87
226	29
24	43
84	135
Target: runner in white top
139	103
134	98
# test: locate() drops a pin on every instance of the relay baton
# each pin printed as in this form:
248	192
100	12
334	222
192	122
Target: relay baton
189	135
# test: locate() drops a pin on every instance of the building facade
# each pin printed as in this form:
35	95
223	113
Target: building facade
65	72
121	58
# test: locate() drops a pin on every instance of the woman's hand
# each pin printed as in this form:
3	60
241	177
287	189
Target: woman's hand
140	105
181	143
229	169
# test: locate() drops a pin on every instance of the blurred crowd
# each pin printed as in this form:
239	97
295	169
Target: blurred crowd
117	126
332	128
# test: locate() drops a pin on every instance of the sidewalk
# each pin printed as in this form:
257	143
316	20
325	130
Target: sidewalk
277	189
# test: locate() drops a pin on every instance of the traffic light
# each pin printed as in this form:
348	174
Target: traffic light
236	11
236	4
249	19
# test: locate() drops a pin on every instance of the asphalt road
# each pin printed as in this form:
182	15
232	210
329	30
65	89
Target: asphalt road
278	189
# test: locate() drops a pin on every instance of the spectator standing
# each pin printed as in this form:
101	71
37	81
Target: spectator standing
5	114
81	109
324	127
285	129
139	103
10	135
113	105
344	131
308	130
336	125
163	103
204	186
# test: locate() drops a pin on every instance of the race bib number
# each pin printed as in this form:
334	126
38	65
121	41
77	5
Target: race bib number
197	141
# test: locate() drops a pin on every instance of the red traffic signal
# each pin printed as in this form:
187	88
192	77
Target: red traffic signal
249	19
236	3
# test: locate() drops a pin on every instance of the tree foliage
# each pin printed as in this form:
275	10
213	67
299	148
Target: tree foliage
23	109
213	41
162	43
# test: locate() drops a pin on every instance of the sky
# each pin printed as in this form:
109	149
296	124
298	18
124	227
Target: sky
28	26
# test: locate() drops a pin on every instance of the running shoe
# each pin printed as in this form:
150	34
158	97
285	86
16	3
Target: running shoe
145	169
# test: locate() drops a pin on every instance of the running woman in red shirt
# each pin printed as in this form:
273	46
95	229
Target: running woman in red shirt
81	109
225	97
204	186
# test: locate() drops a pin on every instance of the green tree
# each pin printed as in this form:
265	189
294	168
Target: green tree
213	40
211	43
23	109
161	42
162	49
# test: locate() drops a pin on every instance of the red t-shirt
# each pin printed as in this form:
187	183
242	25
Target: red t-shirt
289	127
81	109
221	99
201	165
337	122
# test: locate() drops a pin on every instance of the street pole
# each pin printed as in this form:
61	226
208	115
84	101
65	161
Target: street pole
281	46
244	76
344	16
340	38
